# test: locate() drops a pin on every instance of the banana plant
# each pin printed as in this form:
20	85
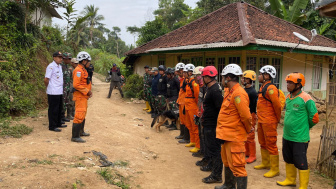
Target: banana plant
294	13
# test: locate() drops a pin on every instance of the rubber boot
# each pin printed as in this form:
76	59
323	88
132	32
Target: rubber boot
82	133
241	182
76	127
290	176
252	148
194	150
304	179
69	113
181	132
274	159
265	160
247	149
186	137
147	106
230	180
191	144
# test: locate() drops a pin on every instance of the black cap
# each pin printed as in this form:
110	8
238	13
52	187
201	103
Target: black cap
146	66
58	53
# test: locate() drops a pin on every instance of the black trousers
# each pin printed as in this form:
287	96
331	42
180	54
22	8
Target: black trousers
55	110
201	137
213	150
295	153
114	84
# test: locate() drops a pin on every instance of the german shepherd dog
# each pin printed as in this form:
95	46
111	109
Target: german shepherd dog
168	115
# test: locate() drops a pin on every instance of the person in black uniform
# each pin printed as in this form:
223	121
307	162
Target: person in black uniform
247	80
160	100
212	103
173	88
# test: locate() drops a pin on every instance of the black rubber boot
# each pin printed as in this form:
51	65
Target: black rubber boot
69	112
76	127
65	119
230	180
181	132
82	133
241	182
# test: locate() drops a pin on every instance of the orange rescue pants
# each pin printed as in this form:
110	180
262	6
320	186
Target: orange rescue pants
251	136
233	156
181	115
80	109
267	136
193	128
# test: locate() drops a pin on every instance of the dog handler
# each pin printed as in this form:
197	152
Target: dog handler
301	115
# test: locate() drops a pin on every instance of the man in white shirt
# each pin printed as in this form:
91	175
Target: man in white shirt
54	82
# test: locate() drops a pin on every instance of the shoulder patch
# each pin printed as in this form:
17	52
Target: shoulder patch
79	74
195	84
237	99
271	91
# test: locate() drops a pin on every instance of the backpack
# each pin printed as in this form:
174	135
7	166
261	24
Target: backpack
282	97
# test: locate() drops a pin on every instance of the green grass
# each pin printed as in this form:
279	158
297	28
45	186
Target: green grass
121	163
78	165
113	177
16	131
44	162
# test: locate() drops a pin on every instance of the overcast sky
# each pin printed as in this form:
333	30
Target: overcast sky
121	13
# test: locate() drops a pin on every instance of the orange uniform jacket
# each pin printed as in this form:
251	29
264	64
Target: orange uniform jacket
180	100
234	119
191	96
80	76
269	112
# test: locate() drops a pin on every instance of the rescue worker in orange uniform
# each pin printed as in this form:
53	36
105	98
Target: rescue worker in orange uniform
233	126
247	80
82	86
269	115
191	108
184	131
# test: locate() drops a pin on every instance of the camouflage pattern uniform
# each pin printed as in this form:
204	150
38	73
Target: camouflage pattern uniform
146	87
67	78
71	104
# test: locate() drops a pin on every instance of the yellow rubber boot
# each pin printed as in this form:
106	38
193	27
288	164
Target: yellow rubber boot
194	150
274	159
147	104
149	108
304	178
265	160
290	176
191	144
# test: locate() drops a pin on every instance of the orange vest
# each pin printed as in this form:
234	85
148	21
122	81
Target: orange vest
269	112
181	97
234	119
80	76
191	96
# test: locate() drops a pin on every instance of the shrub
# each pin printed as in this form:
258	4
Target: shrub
134	86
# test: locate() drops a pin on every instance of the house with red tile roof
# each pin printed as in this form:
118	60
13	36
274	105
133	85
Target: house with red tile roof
243	34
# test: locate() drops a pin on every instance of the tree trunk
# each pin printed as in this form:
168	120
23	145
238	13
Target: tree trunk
117	49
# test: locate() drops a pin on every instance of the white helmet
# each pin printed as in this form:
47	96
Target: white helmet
198	70
179	66
83	56
189	67
232	69
269	70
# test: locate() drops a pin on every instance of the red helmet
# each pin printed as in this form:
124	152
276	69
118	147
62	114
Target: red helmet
210	71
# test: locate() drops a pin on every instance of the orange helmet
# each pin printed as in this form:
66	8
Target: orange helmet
296	78
250	74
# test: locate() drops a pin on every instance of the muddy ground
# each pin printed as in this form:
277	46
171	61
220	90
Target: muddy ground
143	158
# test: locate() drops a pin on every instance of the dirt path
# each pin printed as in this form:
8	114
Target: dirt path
46	159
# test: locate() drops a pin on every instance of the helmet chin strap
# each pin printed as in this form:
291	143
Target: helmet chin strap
206	84
295	89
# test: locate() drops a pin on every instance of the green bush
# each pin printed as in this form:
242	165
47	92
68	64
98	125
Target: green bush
134	86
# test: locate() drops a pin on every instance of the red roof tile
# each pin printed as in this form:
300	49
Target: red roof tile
233	23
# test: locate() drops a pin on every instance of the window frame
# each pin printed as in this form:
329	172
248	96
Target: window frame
321	72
